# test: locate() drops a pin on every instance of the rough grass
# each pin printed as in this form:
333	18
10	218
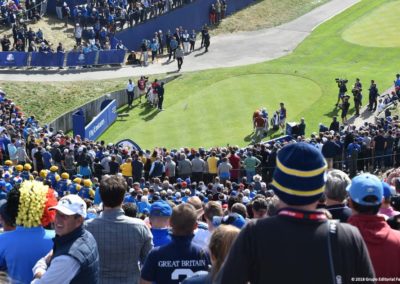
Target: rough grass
49	100
266	14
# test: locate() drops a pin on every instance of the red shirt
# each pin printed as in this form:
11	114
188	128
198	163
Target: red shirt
383	244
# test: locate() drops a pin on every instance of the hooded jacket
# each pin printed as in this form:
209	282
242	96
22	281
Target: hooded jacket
383	243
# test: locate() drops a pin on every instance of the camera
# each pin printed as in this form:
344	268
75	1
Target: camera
341	81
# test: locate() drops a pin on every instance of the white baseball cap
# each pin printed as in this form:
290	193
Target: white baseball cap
70	205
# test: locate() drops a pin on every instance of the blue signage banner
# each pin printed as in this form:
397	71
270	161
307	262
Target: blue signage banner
79	59
111	56
102	121
78	123
47	59
14	58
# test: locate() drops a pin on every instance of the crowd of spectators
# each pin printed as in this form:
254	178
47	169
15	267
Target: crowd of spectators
14	12
191	204
26	39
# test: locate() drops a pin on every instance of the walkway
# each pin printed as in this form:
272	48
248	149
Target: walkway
225	51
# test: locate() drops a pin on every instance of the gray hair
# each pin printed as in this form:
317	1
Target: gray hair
336	184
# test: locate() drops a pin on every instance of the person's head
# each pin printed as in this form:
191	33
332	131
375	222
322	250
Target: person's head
336	184
259	207
212	209
220	244
130	209
197	204
160	213
7	220
112	190
70	214
240	209
183	220
366	194
299	176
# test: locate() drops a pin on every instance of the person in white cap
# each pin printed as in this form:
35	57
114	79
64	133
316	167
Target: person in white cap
75	257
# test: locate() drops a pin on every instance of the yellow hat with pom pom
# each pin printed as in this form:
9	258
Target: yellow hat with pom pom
65	175
8	163
19	168
27	167
87	182
77	180
53	168
43	173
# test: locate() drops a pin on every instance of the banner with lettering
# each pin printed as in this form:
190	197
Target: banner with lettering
102	121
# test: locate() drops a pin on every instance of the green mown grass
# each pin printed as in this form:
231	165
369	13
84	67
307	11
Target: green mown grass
321	58
198	112
379	28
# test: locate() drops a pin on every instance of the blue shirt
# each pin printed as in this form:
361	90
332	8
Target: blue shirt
21	249
172	263
161	237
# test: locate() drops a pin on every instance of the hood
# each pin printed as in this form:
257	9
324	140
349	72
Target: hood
373	228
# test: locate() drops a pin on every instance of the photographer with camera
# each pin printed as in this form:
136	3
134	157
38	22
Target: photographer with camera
345	106
373	96
357	96
342	89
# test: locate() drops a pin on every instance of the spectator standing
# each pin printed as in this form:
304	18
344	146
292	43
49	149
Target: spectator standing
74	258
78	34
179	57
192	40
22	248
198	168
221	241
160	213
250	164
336	194
123	242
373	96
179	259
386	209
282	116
160	94
130	91
366	194
206	39
298	181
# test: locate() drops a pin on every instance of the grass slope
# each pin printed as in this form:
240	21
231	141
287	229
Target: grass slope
266	14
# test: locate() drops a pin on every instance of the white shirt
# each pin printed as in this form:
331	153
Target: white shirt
130	87
61	271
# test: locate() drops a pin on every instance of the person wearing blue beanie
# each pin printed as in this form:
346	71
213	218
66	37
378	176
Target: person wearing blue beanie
299	244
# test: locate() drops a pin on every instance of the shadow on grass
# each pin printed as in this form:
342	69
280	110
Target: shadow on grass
151	115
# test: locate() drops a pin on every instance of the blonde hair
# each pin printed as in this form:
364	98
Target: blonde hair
220	244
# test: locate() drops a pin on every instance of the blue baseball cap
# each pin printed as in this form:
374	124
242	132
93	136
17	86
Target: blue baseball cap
233	219
388	191
160	209
365	185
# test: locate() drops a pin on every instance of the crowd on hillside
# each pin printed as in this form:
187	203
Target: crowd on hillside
85	211
13	12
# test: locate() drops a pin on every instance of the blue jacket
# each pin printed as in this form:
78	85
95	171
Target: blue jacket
81	245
